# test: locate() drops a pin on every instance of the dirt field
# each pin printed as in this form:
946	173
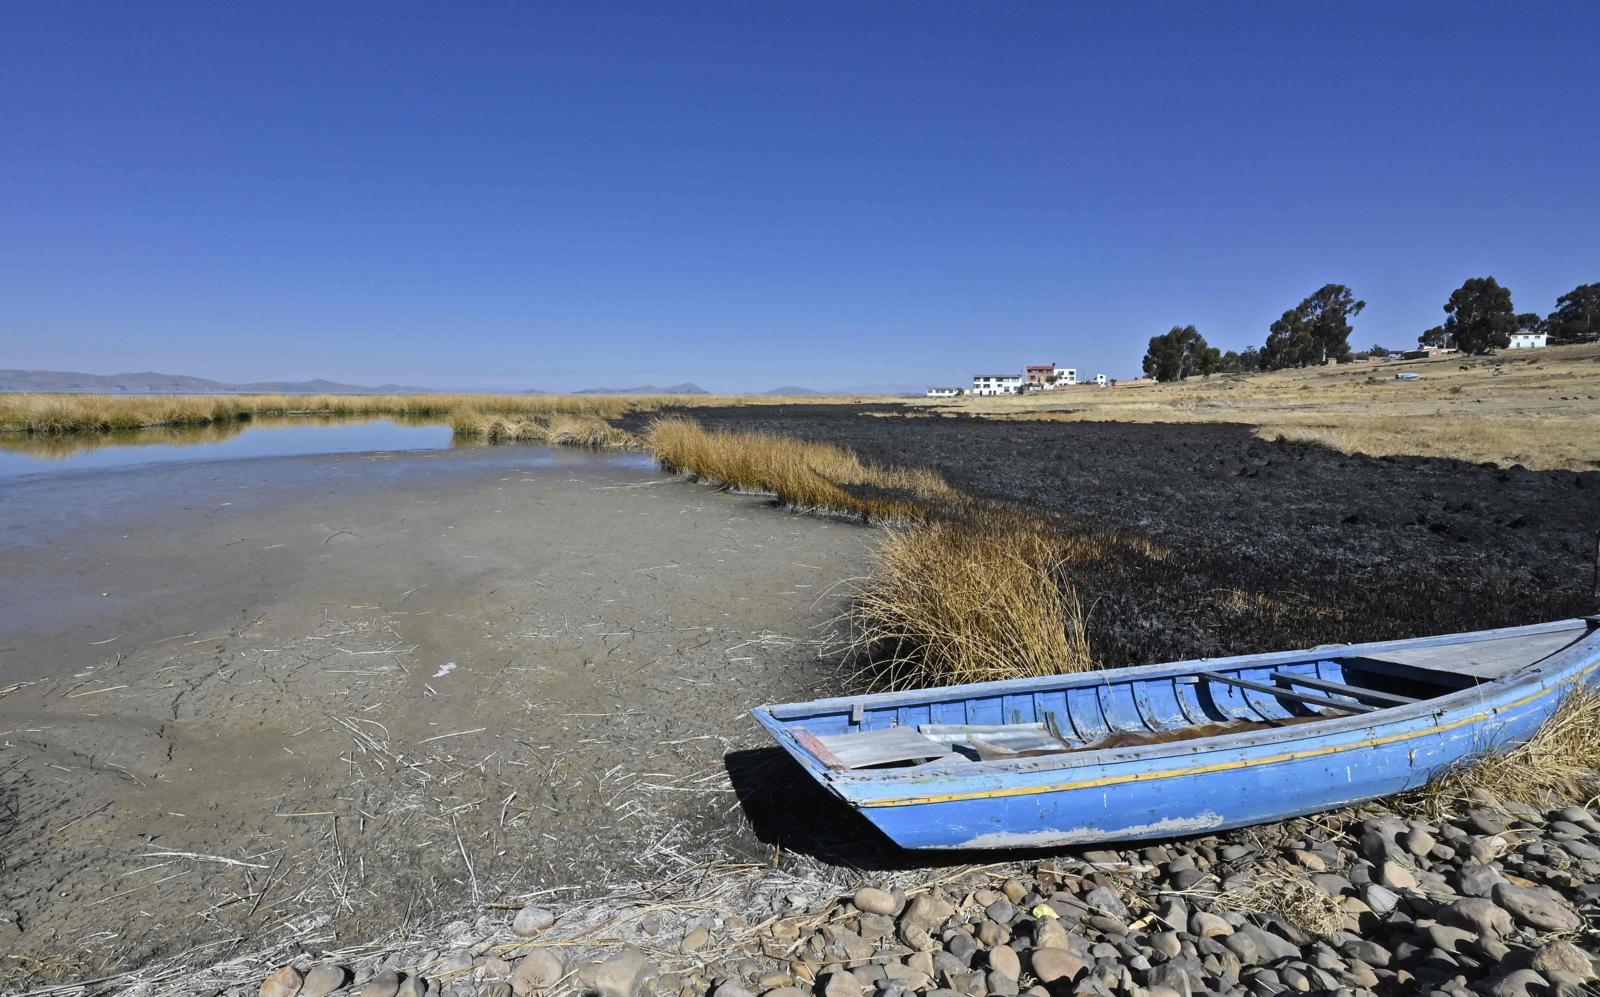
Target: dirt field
326	696
1257	545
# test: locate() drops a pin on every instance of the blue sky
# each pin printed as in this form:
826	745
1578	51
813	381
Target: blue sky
752	194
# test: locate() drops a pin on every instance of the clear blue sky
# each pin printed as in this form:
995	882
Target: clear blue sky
752	194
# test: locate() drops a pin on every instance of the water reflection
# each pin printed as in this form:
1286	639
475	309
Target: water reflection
28	453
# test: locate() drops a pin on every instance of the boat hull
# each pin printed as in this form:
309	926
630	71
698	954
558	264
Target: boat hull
1207	785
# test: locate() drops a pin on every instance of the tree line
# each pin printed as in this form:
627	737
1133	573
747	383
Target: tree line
1479	317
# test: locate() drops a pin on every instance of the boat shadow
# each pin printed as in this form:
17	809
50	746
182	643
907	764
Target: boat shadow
787	811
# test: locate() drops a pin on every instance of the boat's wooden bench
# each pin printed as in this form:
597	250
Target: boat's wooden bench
869	748
1282	693
1474	661
1371	695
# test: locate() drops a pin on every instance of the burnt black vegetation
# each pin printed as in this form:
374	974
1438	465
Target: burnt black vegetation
1212	542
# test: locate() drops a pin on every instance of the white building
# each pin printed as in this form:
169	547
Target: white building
996	384
1101	380
1064	377
1528	340
945	392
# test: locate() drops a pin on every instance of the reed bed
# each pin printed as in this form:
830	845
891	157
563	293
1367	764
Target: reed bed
969	600
556	429
72	413
805	475
1561	762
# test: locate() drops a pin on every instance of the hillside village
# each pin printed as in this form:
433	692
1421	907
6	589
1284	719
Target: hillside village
1034	377
1051	377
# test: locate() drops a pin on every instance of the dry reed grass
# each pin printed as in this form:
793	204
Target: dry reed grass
74	413
969	600
1560	763
557	429
1286	893
802	474
94	413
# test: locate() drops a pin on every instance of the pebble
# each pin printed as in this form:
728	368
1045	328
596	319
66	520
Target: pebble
385	984
1419	842
1517	983
284	982
1052	964
1004	960
1480	915
1537	907
536	971
875	901
622	975
413	986
1562	957
1209	925
1396	876
694	940
842	984
1380	899
532	920
323	980
1474	880
1104	900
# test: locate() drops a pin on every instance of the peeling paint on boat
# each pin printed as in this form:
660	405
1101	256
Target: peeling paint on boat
1166	827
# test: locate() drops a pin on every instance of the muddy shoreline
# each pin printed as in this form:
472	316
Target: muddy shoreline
325	697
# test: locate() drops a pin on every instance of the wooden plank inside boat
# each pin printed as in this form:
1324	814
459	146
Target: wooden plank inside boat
869	748
1303	697
1369	695
1482	660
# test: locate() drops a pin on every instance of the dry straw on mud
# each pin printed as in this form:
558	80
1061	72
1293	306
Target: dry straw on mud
969	601
1287	894
805	475
1561	762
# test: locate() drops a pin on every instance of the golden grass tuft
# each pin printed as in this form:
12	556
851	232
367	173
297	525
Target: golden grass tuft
969	601
1560	763
802	474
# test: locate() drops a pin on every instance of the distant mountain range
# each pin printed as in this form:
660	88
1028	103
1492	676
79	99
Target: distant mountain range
647	389
152	383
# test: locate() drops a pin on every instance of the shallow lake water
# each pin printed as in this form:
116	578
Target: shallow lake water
22	454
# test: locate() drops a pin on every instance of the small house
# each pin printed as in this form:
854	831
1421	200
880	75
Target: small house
946	392
996	384
1039	373
1527	340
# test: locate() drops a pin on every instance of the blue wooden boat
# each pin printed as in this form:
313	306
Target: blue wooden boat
1163	751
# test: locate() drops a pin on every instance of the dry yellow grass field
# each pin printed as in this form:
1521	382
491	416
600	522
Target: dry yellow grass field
1538	408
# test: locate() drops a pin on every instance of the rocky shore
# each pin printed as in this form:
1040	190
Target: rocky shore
1498	900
